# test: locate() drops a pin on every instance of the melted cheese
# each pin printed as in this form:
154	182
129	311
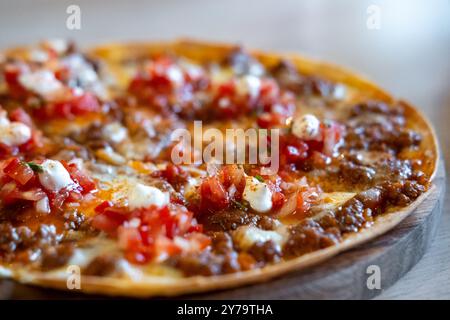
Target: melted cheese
258	195
249	85
246	236
221	75
60	46
85	75
306	127
115	132
83	256
38	55
330	201
142	196
175	75
54	176
13	133
42	82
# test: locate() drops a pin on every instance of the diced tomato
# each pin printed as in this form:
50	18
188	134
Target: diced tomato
173	174
305	197
129	238
318	160
278	199
217	192
62	74
166	219
293	150
11	193
20	115
19	171
233	175
213	195
332	134
6	151
83	185
152	232
77	105
34	142
196	228
226	102
109	220
165	248
57	199
86	183
156	80
11	75
132	241
182	221
198	241
85	103
18	181
103	206
271	98
271	120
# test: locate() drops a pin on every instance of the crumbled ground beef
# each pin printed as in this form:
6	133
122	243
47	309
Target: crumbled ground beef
289	78
205	263
309	236
350	172
221	242
232	219
221	259
101	266
21	243
242	63
73	220
353	215
264	252
402	193
56	256
380	137
374	125
377	107
12	238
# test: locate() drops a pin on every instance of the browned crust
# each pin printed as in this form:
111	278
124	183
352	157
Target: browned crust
162	286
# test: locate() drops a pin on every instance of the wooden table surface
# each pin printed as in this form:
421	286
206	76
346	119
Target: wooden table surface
408	55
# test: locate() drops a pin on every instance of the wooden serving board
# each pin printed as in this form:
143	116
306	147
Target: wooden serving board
342	277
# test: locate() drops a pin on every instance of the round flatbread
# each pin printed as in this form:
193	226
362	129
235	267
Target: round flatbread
91	196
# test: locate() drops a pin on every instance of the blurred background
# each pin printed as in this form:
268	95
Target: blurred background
403	45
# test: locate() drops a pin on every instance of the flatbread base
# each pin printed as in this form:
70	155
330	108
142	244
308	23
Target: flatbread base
150	286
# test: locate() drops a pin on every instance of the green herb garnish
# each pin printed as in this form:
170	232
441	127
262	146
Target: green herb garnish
35	167
259	178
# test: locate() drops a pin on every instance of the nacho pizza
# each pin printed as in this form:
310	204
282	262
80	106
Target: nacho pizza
89	183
